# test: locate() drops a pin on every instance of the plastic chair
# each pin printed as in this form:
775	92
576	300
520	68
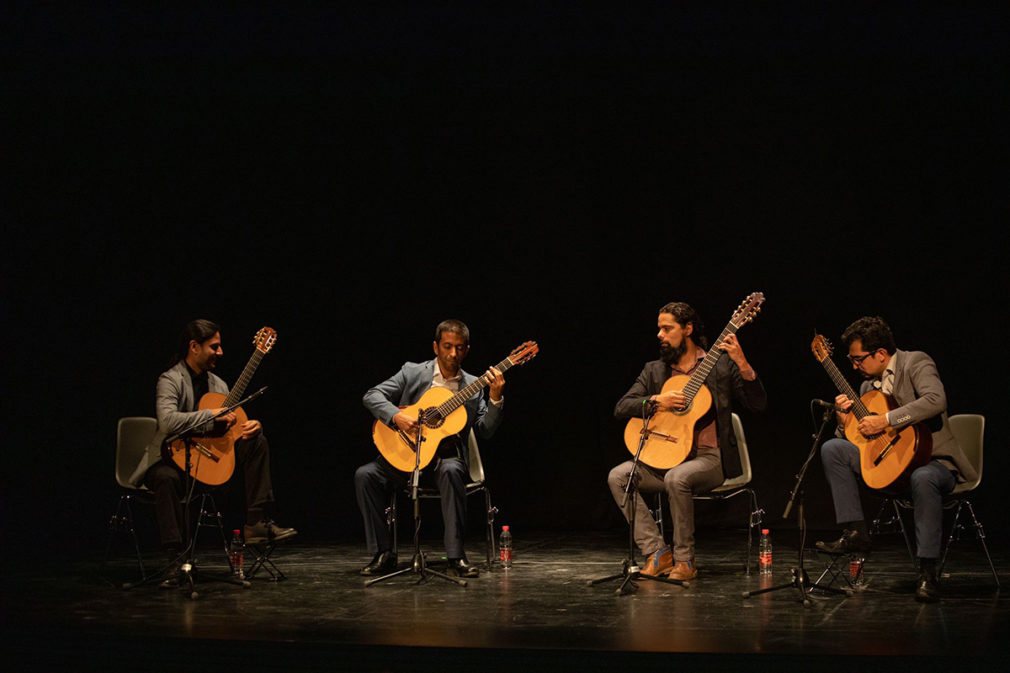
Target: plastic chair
477	484
969	429
133	434
730	488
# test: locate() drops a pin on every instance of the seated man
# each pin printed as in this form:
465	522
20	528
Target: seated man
376	481
911	378
178	390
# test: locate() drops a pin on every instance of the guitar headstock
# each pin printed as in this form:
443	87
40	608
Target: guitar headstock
265	339
748	309
524	353
821	347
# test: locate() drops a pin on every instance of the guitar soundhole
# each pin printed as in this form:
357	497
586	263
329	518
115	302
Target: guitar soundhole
431	418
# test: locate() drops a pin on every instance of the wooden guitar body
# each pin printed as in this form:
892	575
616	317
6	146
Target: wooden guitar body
442	414
670	433
886	460
213	457
397	446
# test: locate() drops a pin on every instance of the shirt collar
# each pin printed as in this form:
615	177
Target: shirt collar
701	356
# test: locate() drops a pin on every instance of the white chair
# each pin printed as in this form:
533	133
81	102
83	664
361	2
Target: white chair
133	434
969	429
730	488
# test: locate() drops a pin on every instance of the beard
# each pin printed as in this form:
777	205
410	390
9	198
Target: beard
671	354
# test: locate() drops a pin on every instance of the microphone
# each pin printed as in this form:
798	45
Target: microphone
826	405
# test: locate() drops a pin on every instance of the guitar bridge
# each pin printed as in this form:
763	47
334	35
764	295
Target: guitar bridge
887	449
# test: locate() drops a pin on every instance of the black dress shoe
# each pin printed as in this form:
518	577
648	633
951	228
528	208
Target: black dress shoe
851	542
384	562
928	589
460	568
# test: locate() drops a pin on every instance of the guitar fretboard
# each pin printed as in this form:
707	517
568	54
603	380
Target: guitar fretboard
463	394
711	357
858	408
238	390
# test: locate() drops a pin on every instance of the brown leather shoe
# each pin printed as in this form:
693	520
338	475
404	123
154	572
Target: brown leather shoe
658	562
683	570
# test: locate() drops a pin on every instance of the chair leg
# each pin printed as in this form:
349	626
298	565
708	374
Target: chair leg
123	518
904	533
755	522
214	515
392	523
979	532
490	541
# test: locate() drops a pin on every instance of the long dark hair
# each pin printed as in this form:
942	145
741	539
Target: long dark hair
684	314
195	330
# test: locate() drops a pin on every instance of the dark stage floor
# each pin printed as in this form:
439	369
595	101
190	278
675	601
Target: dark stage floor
540	615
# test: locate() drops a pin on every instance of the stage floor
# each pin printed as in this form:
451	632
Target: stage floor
539	614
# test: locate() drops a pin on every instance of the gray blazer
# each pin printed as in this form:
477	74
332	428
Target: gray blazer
921	397
173	393
407	386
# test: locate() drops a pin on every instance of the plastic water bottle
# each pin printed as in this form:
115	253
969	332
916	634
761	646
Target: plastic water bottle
765	552
856	578
505	547
236	553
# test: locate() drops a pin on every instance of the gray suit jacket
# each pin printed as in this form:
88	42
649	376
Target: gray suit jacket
921	397
408	385
174	393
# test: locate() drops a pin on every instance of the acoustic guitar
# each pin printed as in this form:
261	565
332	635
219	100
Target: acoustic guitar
886	459
213	456
440	412
670	434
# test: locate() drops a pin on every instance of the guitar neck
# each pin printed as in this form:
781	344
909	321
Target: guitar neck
711	357
858	408
457	400
238	390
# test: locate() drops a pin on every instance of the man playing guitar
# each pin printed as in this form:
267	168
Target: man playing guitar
682	350
911	378
179	391
376	481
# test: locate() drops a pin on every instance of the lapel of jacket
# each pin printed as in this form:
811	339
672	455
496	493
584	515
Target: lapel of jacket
187	403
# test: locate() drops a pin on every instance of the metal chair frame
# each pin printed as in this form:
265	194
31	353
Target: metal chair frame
477	484
969	429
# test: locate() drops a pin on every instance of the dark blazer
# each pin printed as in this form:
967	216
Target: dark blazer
724	381
406	387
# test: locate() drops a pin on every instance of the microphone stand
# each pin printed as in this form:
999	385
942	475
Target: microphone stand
799	578
418	564
629	569
188	567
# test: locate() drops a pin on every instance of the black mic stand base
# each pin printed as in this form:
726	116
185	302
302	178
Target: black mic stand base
418	566
630	572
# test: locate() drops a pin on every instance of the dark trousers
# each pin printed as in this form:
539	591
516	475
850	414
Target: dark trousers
928	485
377	481
167	483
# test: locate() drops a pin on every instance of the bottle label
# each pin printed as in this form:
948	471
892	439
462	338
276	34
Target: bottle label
505	555
765	558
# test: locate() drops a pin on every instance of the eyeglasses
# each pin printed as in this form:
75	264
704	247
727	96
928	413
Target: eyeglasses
857	360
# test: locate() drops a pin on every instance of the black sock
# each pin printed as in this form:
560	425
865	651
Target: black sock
928	565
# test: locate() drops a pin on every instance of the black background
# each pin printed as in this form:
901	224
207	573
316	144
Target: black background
350	176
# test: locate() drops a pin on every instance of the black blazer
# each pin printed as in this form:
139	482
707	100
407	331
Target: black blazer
724	381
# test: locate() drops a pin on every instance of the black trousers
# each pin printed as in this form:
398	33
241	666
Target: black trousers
375	483
167	482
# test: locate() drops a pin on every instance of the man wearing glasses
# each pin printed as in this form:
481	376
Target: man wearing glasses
911	378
